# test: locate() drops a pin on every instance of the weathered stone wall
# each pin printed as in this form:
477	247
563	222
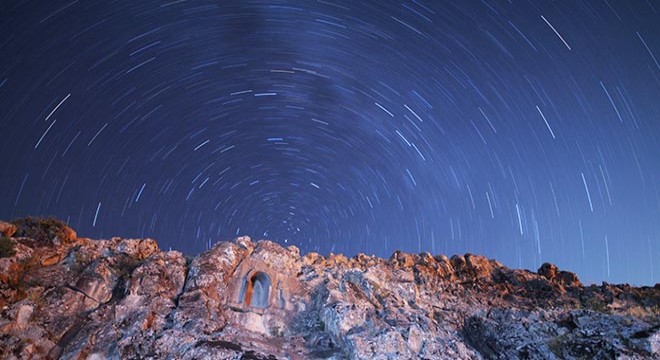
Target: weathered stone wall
67	297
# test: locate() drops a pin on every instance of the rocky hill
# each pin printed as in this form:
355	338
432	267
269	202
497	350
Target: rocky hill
62	296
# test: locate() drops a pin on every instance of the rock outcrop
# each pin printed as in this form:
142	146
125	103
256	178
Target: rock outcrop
62	296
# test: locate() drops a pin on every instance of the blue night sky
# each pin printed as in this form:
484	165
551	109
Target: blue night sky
526	131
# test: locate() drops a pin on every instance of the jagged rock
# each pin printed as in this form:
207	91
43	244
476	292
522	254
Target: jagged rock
7	229
67	297
567	279
552	273
548	271
45	232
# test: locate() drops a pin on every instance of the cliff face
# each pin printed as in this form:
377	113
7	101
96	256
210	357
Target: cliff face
62	296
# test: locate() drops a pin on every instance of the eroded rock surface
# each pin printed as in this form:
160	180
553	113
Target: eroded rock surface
67	297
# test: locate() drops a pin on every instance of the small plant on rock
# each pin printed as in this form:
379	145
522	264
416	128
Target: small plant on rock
44	230
6	247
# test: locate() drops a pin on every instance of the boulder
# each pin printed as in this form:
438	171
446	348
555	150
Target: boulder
7	229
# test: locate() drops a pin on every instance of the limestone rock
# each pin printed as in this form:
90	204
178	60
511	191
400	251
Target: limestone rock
67	297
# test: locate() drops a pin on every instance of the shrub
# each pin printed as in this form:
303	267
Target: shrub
44	230
6	247
597	304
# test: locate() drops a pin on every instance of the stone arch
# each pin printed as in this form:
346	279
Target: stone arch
257	290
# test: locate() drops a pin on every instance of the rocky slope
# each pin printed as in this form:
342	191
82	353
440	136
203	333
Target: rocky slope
67	297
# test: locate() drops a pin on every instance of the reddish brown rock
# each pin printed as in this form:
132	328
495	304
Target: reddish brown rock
548	271
403	260
45	231
564	278
7	229
66	297
568	279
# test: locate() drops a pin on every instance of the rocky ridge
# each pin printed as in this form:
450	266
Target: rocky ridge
63	296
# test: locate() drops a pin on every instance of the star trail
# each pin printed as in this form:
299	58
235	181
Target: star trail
526	131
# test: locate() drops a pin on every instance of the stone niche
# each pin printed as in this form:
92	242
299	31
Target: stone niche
264	289
255	291
258	288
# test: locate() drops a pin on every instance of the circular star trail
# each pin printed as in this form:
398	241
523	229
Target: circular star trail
524	131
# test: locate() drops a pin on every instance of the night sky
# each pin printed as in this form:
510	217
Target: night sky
524	131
